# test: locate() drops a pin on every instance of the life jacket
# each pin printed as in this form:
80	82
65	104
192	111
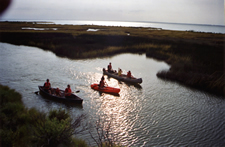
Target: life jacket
101	83
119	72
109	67
68	92
129	74
47	85
57	91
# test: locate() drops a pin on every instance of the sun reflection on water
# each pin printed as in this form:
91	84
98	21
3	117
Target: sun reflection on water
157	113
118	110
124	113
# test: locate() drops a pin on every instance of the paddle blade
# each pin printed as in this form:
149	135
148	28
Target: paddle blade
36	92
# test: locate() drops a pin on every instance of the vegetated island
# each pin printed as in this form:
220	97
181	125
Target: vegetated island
196	58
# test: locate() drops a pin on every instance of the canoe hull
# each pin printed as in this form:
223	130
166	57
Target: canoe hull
106	89
75	99
123	77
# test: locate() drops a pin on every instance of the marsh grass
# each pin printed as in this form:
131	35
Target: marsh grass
204	72
192	55
28	127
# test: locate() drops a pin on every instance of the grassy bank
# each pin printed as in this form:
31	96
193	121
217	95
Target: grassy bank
20	126
28	127
196	59
194	65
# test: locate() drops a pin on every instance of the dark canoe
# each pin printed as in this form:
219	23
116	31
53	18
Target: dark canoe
123	77
74	99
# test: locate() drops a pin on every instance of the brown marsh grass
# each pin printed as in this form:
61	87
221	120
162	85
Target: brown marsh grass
196	58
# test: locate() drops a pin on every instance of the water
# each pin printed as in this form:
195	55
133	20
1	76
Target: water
159	25
157	113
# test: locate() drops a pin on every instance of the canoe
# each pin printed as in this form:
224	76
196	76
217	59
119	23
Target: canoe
105	89
123	77
62	98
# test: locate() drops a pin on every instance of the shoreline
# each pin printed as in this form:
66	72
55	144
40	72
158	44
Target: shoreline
196	58
201	28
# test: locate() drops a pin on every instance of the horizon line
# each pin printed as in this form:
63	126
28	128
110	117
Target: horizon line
143	21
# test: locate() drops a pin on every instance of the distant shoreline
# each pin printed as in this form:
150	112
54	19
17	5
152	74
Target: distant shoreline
205	28
196	59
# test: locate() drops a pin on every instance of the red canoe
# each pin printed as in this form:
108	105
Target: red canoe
106	89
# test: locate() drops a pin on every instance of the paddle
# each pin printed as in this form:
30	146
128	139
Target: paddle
36	92
75	92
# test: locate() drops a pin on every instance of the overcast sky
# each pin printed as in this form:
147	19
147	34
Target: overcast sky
177	11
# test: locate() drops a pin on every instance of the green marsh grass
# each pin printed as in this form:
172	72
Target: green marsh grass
28	127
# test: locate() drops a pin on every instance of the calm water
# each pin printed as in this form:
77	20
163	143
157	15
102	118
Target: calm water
158	113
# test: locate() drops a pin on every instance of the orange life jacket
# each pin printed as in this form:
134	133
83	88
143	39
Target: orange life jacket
129	74
57	91
47	85
68	92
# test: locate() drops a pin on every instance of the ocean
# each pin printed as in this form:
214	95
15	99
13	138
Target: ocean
160	25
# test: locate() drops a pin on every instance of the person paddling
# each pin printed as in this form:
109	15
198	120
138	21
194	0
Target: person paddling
47	86
102	82
68	92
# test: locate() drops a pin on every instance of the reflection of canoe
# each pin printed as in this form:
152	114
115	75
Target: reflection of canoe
62	98
123	77
105	89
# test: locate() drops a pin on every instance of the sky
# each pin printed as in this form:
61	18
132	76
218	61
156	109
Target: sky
174	11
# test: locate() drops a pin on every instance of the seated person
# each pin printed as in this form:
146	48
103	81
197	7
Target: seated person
47	86
129	74
120	72
68	92
110	67
102	82
57	92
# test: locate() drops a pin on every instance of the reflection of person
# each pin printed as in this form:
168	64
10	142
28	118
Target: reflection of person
47	86
68	92
110	67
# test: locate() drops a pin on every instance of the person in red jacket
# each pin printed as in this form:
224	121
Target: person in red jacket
57	92
47	86
110	67
68	92
102	82
129	74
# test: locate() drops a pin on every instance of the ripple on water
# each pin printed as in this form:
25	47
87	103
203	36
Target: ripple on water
157	113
